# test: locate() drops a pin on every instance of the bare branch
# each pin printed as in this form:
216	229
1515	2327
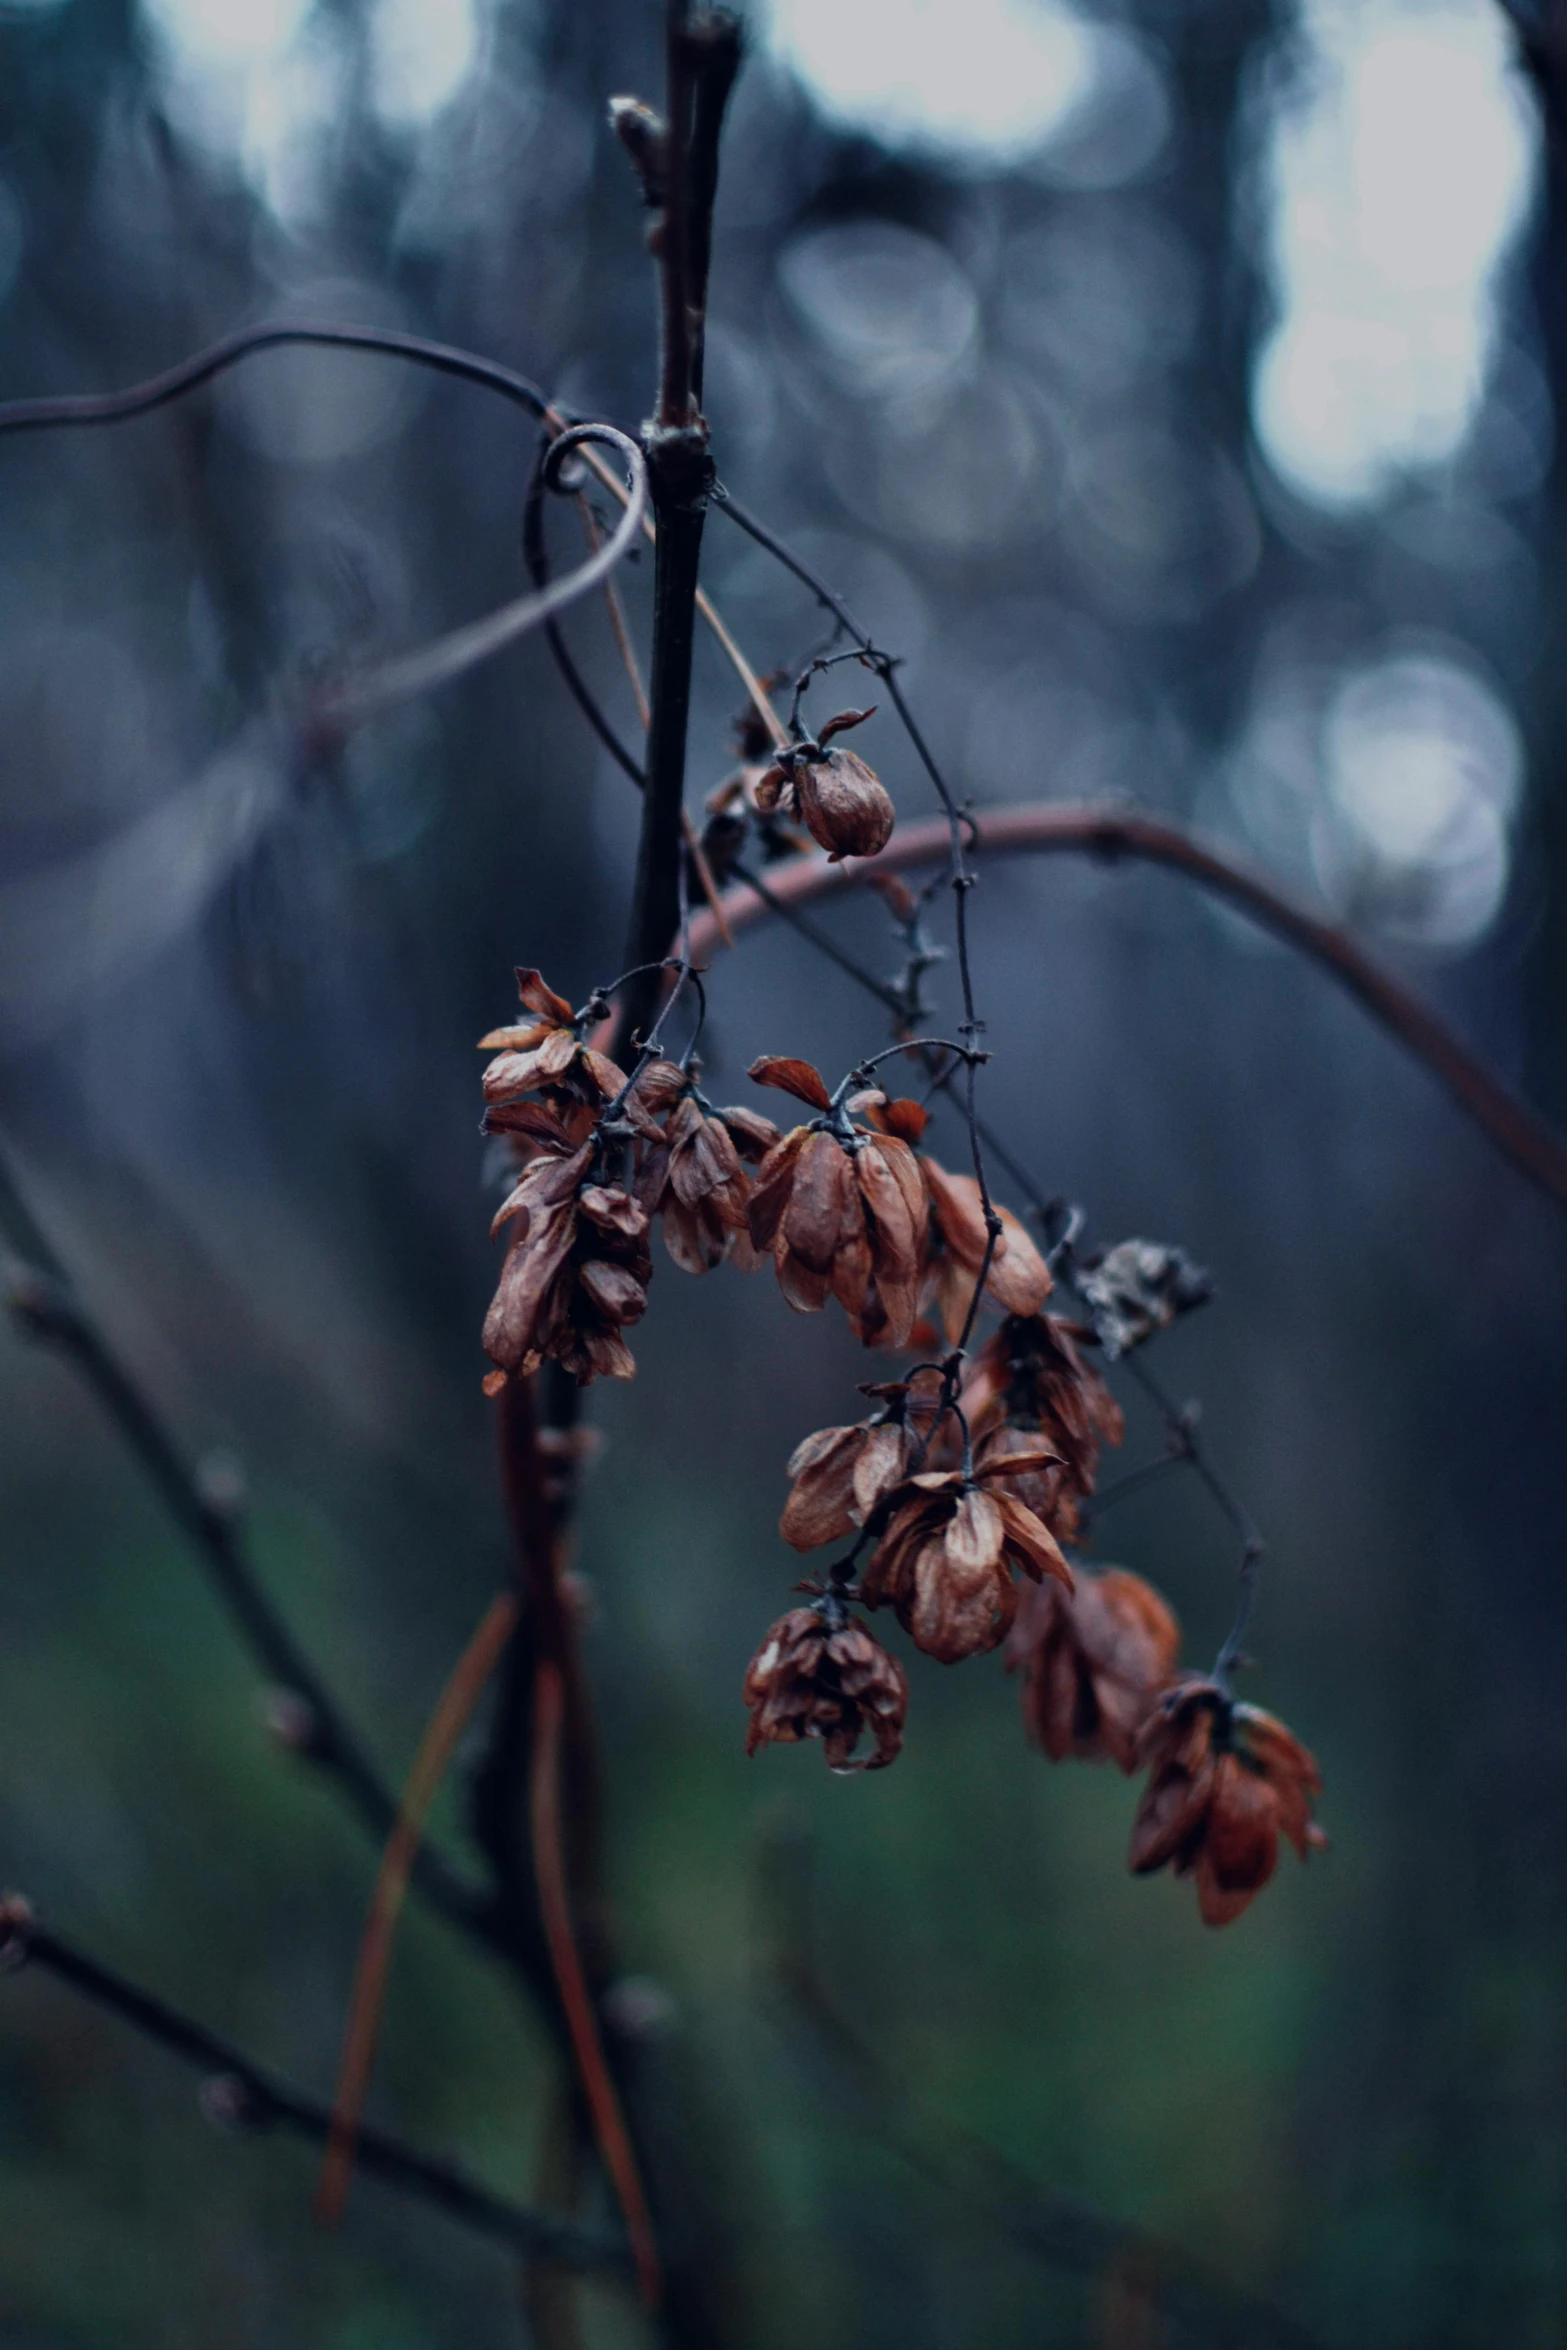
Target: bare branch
45	1303
1111	835
1054	2228
188	375
249	2096
462	649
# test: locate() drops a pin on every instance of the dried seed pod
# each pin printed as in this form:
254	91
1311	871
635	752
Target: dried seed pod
844	805
1093	1662
692	1176
1225	1781
842	1215
949	1547
820	1673
575	1275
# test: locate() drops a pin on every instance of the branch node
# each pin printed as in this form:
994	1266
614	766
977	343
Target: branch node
644	134
290	1720
17	1921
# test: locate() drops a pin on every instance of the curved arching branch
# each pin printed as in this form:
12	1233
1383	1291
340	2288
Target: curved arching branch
1111	835
450	656
187	375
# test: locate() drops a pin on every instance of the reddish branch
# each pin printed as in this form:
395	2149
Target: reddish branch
461	1694
1111	835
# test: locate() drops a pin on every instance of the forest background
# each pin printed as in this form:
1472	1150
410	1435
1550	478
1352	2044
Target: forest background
1174	386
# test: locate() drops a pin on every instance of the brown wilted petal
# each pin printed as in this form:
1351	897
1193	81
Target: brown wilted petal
774	1182
613	1291
752	1134
814	1217
1029	1381
539	997
515	1039
821	1501
613	1210
796	1077
1240	1846
843	721
904	1118
1017	1278
844	805
511	1327
1031	1542
884	1459
538	1122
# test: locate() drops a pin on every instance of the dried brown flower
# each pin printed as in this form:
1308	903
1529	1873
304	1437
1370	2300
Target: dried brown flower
1225	1781
576	1271
1018	1277
1139	1287
1030	1381
691	1174
821	1673
842	1212
843	804
1093	1661
840	1474
546	1054
948	1549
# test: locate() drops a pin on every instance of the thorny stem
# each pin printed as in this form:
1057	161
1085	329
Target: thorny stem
1182	1424
960	878
44	1302
250	2096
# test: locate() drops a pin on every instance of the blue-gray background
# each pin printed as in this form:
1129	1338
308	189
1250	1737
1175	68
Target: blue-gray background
1172	384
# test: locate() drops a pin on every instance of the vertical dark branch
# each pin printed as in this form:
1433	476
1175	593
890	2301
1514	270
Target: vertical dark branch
704	57
678	465
713	43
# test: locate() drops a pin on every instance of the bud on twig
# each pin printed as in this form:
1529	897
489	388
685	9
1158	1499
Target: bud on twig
16	1924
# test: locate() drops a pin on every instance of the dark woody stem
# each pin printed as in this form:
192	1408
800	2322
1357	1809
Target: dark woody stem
549	1848
704	57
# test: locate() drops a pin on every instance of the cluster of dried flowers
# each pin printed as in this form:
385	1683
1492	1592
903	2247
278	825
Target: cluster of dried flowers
601	1154
963	1488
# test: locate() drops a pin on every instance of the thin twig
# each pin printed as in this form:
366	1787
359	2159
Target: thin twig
451	656
250	2096
1111	835
997	2193
44	1302
187	375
